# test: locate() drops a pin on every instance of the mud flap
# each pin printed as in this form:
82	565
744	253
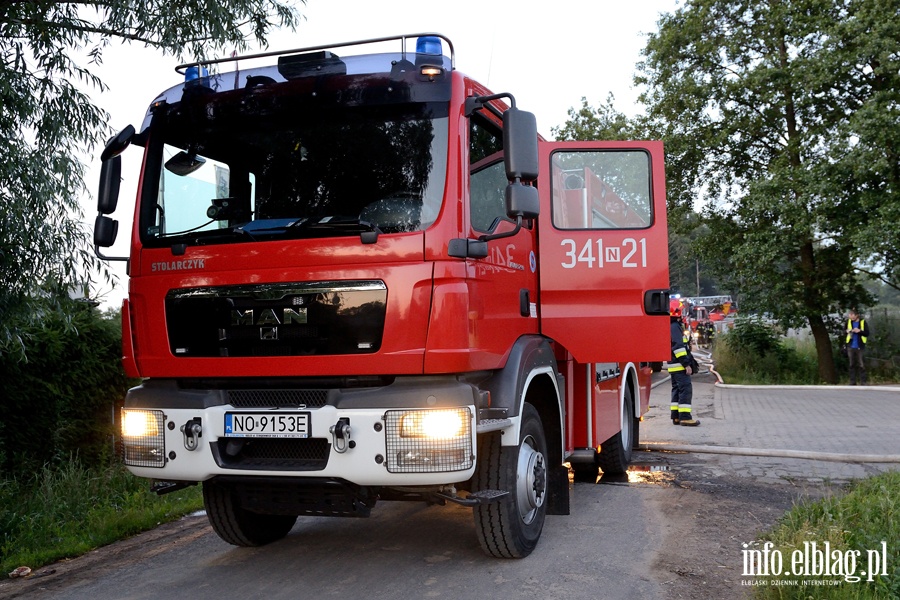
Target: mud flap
558	491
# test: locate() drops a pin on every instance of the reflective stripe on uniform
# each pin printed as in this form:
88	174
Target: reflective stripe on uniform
679	352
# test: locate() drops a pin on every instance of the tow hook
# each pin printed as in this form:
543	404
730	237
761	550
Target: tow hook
340	436
193	431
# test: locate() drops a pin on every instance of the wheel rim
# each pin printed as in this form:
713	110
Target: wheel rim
626	426
531	480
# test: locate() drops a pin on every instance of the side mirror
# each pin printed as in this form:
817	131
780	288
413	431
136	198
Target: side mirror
522	201
105	228
117	143
105	231
520	144
110	177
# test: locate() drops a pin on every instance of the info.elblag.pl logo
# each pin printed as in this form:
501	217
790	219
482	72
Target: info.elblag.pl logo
812	564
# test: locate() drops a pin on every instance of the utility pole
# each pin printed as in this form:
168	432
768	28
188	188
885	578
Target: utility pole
697	264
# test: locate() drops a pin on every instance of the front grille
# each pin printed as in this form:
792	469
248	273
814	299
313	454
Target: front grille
272	454
277	398
277	319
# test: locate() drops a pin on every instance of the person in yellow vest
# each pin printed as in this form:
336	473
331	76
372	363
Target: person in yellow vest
857	337
681	366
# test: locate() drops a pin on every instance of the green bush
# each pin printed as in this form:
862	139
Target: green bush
60	400
753	352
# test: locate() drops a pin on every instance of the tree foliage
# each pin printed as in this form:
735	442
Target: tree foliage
784	115
60	402
47	120
602	123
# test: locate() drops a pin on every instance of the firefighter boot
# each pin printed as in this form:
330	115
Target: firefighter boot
685	418
675	418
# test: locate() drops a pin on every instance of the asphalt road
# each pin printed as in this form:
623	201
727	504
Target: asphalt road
403	550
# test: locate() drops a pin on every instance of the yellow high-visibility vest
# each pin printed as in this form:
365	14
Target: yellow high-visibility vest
862	327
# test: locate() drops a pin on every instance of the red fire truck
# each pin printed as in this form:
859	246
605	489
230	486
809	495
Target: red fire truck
366	277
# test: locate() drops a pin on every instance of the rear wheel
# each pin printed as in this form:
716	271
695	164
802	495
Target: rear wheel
237	525
615	453
511	528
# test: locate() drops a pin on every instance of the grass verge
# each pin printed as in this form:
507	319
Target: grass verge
862	530
68	510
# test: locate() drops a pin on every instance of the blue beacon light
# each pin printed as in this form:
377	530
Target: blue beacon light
429	44
194	73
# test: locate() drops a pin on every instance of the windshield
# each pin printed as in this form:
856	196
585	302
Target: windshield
278	162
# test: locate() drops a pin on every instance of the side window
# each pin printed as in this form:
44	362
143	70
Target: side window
601	189
487	178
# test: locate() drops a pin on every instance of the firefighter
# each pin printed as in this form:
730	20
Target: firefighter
681	367
857	336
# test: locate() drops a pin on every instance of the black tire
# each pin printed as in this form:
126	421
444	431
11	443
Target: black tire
238	526
615	453
512	527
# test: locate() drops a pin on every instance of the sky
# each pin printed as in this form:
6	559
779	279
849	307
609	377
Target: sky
548	56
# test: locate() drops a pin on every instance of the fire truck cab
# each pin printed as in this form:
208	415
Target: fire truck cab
356	278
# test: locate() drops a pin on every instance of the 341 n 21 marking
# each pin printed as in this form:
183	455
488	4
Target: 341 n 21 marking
631	254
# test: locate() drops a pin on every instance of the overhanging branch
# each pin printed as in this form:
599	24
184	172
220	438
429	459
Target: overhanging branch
880	278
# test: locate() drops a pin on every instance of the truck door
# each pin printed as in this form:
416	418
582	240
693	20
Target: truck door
604	260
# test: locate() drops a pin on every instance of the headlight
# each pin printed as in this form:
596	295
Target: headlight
428	441
139	423
434	424
143	439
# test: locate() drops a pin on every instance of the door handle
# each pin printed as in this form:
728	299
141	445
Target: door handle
656	302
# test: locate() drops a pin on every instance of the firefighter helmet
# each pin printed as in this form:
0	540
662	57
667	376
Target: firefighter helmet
675	307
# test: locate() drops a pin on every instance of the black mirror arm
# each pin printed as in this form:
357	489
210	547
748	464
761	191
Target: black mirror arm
498	236
102	256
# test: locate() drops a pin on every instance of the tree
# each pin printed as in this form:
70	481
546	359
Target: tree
47	120
780	114
602	123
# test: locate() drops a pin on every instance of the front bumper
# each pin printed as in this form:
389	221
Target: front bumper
371	436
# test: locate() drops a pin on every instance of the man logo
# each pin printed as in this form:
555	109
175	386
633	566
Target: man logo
269	316
268	320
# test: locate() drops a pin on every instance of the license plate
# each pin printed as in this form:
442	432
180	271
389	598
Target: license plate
267	425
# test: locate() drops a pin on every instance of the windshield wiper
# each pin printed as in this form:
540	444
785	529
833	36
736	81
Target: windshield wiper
326	226
215	236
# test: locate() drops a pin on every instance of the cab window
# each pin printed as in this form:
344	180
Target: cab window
601	189
487	175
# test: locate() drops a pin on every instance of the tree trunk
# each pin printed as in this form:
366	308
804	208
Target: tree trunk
823	349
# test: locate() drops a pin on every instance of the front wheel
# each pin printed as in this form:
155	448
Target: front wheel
511	528
615	453
237	525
